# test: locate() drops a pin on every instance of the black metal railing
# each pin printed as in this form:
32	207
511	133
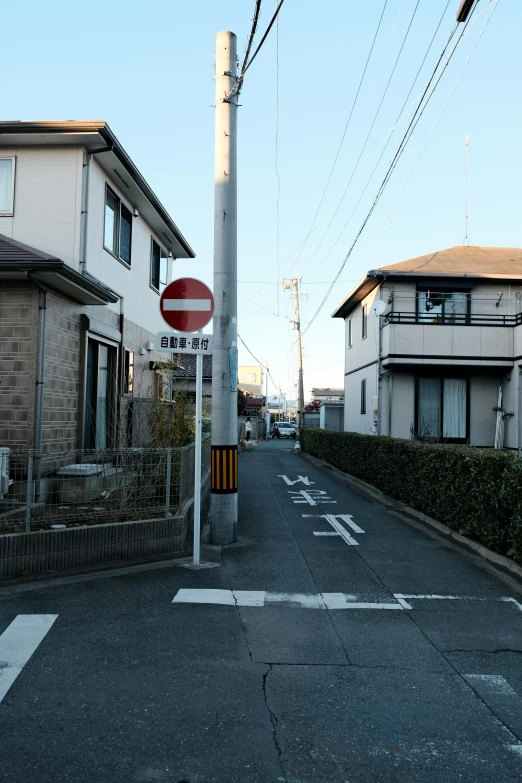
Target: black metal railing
474	319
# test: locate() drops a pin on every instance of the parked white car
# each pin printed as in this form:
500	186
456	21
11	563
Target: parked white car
286	430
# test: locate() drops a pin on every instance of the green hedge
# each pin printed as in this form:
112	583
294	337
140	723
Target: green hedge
476	489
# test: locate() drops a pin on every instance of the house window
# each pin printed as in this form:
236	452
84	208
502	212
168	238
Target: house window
99	395
363	396
158	267
447	307
250	377
442	406
350	333
7	172
117	234
128	379
364	321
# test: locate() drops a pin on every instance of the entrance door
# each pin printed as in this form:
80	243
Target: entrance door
99	414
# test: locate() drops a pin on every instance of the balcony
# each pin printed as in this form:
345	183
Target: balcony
472	340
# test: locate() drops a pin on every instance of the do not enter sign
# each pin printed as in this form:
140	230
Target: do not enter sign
187	304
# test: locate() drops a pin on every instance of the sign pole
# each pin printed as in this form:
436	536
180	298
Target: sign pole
197	457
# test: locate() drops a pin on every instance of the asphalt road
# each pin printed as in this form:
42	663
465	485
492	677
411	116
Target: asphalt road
374	653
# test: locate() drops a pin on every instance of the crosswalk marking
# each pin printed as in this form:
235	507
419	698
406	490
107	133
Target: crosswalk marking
261	598
17	644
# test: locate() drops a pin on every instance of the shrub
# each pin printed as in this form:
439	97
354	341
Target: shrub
463	487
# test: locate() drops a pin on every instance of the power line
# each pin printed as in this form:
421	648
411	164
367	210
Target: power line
276	160
345	131
448	99
369	133
261	365
452	32
413	122
253	29
237	87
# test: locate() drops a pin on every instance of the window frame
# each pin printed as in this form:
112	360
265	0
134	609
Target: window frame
159	290
128	373
10	212
363	396
442	317
117	228
442	379
364	324
350	332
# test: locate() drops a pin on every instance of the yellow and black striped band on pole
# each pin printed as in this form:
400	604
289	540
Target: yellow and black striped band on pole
224	469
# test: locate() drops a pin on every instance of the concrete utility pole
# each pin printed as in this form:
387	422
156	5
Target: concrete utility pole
288	285
223	505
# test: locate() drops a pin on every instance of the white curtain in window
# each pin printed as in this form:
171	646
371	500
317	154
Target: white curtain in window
6	174
429	407
454	408
456	307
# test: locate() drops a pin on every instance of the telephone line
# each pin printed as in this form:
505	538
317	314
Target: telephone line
344	132
419	111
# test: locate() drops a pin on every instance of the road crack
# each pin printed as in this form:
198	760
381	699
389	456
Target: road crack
273	718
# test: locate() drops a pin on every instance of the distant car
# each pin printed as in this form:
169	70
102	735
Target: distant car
286	429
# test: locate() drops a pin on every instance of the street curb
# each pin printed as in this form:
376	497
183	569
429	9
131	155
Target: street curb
505	564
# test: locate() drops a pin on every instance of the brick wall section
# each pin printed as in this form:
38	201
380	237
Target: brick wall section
18	355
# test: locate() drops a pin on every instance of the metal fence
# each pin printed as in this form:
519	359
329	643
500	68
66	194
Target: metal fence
85	487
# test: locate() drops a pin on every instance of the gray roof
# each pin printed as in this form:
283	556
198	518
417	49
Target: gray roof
188	361
465	260
12	250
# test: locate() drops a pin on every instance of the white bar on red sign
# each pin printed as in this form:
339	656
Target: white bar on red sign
187	304
169	342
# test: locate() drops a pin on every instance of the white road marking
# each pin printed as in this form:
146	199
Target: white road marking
404	604
186	304
341	530
17	644
492	682
325	533
516	749
436	597
302	496
348	518
303	479
262	598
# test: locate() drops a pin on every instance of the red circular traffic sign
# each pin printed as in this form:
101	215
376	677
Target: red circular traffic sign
187	304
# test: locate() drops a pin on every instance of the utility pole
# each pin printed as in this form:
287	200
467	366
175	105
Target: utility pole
290	283
223	503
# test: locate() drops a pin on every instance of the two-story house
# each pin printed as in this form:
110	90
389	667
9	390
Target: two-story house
433	345
85	250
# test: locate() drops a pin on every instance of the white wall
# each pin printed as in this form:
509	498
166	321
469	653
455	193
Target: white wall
141	301
403	404
47	202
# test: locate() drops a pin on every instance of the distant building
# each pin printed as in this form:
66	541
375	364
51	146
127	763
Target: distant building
251	378
327	395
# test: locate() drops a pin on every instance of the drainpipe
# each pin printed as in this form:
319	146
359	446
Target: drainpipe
86	172
519	411
379	372
40	386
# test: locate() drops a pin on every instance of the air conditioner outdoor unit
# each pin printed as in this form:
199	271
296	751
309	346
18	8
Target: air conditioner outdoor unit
5	455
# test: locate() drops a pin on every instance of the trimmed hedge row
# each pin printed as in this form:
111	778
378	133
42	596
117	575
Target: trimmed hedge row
476	489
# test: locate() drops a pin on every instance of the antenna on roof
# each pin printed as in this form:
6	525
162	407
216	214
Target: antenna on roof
466	240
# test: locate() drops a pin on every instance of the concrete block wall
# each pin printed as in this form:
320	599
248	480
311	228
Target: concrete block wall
18	353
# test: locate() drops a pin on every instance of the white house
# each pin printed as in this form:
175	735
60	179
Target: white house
431	342
85	250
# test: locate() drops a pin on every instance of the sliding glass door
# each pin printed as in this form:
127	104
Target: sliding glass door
99	395
442	407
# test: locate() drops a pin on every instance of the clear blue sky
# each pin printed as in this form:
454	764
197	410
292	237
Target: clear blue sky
146	68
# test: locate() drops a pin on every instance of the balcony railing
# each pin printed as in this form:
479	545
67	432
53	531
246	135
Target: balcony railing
475	319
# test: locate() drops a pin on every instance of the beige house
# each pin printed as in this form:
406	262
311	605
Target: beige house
85	250
251	378
430	345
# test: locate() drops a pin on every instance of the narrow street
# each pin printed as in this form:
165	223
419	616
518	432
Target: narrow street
334	643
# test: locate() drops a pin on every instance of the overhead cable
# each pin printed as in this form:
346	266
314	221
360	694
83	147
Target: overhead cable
416	117
368	134
302	246
237	86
